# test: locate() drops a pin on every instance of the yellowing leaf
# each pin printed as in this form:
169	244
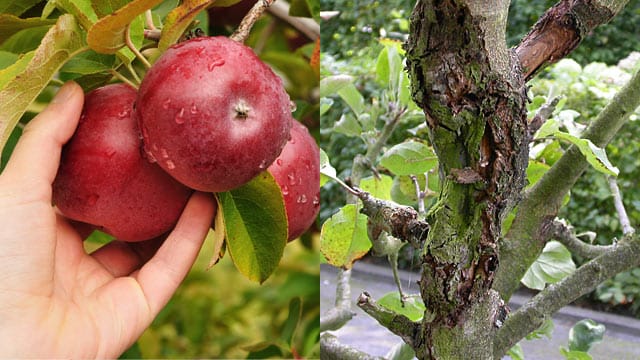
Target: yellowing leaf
218	237
178	20
107	35
60	43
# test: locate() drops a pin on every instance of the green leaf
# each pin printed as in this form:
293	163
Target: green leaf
403	190
25	40
178	21
327	171
17	7
549	128
89	63
106	36
413	306
595	156
325	105
584	334
103	8
348	125
546	329
218	237
343	238
9	73
10	24
575	355
81	9
554	264
352	97
409	158
382	67
332	84
255	226
378	187
264	351
516	352
291	323
60	43
535	171
7	59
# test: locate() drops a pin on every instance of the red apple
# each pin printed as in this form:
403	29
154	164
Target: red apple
105	180
212	114
297	171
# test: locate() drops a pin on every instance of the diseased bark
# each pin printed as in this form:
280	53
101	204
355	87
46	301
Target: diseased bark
473	96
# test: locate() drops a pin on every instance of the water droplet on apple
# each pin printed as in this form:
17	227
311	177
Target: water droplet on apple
214	63
292	179
124	114
293	105
164	154
110	153
194	109
279	162
149	155
285	190
170	165
180	117
316	200
263	165
166	103
154	147
200	50
92	199
302	199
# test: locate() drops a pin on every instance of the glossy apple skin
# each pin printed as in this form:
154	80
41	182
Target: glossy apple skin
105	180
212	114
297	171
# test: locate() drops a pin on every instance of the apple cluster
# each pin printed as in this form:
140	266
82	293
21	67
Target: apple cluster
209	116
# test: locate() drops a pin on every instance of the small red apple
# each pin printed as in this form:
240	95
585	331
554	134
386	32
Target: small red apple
104	179
212	114
297	171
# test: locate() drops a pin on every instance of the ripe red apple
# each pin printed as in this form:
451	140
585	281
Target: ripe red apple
297	171
103	178
212	114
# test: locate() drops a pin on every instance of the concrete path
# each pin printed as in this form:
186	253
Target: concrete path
621	340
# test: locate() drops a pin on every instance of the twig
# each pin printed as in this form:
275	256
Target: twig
332	349
396	323
132	47
564	233
420	194
307	26
242	32
617	201
153	35
148	18
122	78
544	112
339	315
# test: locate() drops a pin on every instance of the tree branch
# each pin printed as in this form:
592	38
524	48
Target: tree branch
564	233
339	315
396	323
307	26
332	349
617	201
622	256
561	29
528	233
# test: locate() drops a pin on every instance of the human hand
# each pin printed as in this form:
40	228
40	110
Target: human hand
55	299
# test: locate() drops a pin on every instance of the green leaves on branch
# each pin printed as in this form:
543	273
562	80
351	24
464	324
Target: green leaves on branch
409	158
581	337
255	225
554	264
595	156
178	20
343	238
413	307
327	172
60	43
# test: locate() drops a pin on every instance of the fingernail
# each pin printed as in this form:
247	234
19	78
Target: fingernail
64	93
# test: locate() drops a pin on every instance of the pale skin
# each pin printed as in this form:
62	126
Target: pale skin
57	301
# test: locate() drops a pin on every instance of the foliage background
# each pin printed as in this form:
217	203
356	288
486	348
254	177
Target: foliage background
350	45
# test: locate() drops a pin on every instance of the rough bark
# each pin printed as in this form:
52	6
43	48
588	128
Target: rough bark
473	96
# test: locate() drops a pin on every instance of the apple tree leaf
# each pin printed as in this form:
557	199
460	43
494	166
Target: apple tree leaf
409	158
81	9
595	156
179	19
255	225
10	24
106	36
584	334
16	7
327	172
330	85
218	237
378	187
413	307
60	43
343	238
10	72
553	265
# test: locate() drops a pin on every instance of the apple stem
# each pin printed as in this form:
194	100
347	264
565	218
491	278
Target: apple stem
123	78
242	32
127	39
133	73
149	20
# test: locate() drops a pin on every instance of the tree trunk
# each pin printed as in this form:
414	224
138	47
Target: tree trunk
472	91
